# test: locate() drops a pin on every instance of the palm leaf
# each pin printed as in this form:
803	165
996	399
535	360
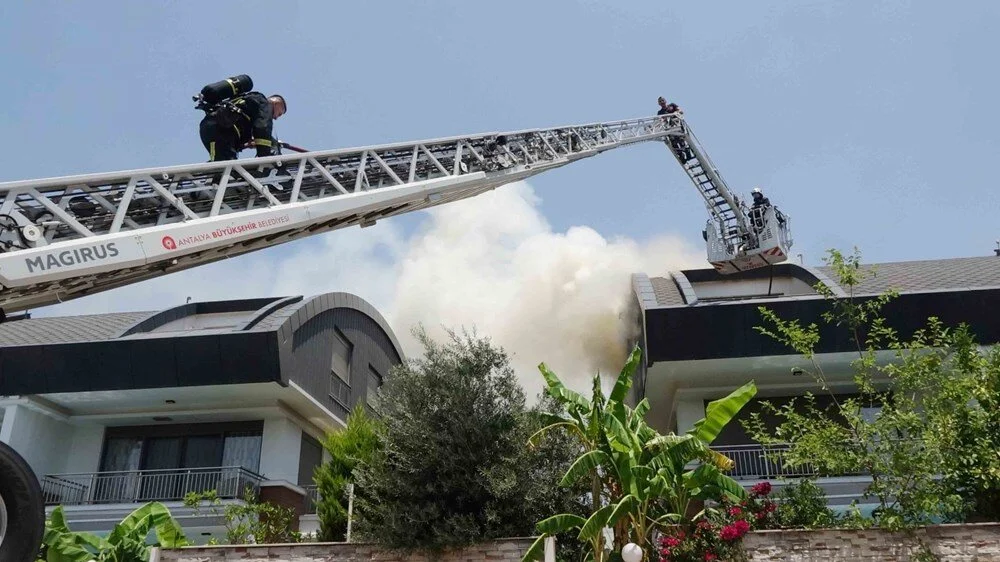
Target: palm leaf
582	466
168	531
620	434
533	440
57	521
66	548
597	521
624	381
559	523
559	391
536	551
642	408
627	504
707	476
721	412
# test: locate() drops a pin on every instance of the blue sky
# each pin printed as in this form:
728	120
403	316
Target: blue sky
870	123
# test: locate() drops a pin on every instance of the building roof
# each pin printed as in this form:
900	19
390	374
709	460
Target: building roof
953	274
67	329
930	275
196	318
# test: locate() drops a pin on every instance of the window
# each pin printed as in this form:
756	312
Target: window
340	369
146	463
310	457
374	384
341	361
183	446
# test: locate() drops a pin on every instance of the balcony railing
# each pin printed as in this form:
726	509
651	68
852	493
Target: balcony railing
759	462
311	499
140	486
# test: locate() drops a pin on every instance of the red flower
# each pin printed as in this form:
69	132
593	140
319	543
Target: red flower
735	511
710	556
734	530
704	524
770	506
761	489
760	515
671	542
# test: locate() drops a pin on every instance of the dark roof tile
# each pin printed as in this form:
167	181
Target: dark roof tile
666	291
928	275
67	329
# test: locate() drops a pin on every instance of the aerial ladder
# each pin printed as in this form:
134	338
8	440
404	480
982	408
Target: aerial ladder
67	237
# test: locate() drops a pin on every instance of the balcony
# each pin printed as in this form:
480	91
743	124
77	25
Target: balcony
141	486
762	462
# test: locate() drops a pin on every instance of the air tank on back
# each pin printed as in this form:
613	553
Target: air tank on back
223	90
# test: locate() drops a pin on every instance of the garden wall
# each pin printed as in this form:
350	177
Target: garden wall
965	543
500	550
960	543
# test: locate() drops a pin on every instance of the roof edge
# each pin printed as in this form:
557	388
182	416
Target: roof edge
642	288
318	304
168	315
685	287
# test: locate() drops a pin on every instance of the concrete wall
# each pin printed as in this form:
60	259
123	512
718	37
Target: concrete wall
959	543
965	543
42	440
499	550
85	450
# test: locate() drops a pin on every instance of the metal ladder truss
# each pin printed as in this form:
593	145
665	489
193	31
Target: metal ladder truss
727	215
63	238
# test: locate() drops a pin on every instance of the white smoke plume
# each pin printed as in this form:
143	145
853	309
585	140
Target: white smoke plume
494	263
490	263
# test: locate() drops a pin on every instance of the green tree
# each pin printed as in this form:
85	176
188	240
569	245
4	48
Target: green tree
125	543
356	443
251	520
931	449
452	468
639	478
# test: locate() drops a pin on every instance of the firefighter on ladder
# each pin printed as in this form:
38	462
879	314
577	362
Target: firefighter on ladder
679	146
236	117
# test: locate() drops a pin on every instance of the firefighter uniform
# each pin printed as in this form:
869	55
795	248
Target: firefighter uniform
228	128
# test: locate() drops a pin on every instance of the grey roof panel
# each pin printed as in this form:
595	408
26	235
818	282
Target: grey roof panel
67	329
953	274
666	291
928	275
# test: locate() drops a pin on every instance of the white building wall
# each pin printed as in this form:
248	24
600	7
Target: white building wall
42	440
85	449
752	287
689	411
280	448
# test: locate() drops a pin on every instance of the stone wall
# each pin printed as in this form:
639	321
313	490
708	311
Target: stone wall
961	543
501	550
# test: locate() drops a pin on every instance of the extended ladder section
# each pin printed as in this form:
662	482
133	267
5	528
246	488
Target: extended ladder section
737	238
63	238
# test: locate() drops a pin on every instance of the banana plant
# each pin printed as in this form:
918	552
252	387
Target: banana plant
125	543
639	476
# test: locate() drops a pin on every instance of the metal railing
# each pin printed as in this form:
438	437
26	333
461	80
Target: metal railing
311	498
758	462
140	486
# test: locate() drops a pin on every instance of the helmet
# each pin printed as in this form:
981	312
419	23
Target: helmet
756	190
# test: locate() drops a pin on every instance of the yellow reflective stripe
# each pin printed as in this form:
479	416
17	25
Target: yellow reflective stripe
232	85
262	142
211	151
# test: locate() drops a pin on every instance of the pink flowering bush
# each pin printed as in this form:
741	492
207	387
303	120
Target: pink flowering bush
718	534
